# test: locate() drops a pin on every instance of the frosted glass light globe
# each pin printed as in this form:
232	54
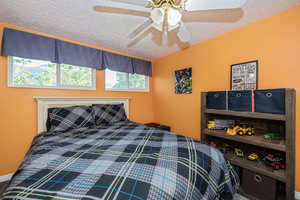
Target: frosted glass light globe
174	16
157	15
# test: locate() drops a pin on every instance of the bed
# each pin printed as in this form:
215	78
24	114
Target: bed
122	160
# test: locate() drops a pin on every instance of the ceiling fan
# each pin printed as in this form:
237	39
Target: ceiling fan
169	15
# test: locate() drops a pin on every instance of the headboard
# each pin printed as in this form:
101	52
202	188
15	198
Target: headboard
43	103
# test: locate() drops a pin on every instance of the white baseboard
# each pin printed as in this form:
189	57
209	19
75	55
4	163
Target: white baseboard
297	195
6	177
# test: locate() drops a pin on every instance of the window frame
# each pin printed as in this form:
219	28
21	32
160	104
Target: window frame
147	89
59	86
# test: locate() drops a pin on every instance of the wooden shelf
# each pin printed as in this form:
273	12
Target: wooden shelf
247	114
287	146
256	166
253	140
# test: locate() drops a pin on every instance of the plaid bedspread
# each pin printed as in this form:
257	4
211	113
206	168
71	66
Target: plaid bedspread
124	161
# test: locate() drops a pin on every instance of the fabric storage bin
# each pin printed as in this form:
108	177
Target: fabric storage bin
258	186
216	100
270	101
240	100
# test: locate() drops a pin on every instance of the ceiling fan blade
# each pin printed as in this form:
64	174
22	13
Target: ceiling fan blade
142	28
132	2
156	37
174	39
221	15
124	11
192	5
183	33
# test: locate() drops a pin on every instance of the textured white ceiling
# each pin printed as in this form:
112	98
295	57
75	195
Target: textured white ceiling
76	20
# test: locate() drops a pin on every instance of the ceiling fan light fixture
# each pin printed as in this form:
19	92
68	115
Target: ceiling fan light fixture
174	17
158	26
157	15
166	15
171	28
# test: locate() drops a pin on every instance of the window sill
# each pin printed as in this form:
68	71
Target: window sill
120	90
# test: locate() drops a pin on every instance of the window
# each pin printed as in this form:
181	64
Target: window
120	81
44	74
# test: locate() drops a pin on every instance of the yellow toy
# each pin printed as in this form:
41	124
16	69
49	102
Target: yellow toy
238	152
253	156
211	125
242	129
233	130
245	130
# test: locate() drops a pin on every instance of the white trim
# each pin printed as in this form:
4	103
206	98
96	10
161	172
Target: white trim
127	90
43	103
58	82
297	195
6	177
54	87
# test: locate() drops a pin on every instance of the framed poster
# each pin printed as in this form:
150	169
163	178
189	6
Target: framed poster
183	81
244	76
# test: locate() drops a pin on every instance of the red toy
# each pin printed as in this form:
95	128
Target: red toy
274	161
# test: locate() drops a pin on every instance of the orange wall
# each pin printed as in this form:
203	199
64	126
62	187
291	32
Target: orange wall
18	124
274	41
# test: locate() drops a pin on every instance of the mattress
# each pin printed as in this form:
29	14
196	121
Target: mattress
121	161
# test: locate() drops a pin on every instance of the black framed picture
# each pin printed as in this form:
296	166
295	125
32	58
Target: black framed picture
244	76
183	81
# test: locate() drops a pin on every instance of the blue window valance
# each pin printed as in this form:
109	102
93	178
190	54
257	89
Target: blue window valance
27	45
141	67
73	54
116	62
32	46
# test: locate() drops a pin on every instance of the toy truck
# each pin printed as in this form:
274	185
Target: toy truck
245	129
273	136
242	129
211	125
274	161
239	153
220	124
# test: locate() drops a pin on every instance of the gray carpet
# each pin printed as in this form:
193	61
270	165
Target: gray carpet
239	197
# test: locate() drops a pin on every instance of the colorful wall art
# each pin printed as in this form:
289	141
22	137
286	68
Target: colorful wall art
183	81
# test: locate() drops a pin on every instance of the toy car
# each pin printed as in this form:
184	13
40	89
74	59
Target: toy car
273	136
245	129
211	125
253	156
238	152
274	161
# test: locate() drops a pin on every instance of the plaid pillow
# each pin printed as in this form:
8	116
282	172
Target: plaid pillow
108	113
63	119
